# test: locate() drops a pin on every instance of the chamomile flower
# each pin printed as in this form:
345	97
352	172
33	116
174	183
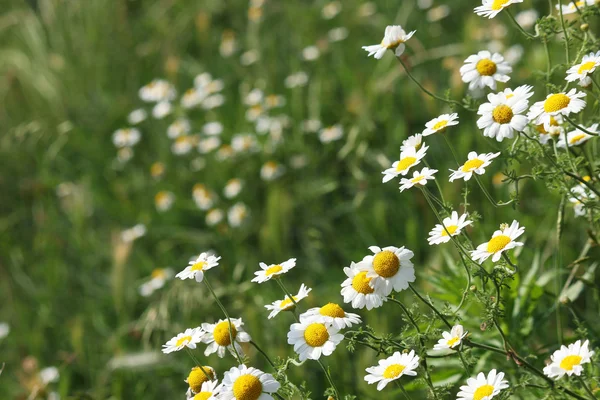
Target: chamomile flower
502	115
214	216
451	339
331	314
198	377
203	197
313	339
556	104
419	178
482	387
389	268
568	360
331	133
287	304
192	98
452	226
232	188
126	137
440	124
485	69
392	368
580	194
576	137
4	330
555	130
137	116
393	39
208	144
212	128
135	232
164	200
409	157
273	271
198	266
237	214
188	339
179	127
157	280
586	67
156	91
491	8
358	289
209	390
248	383
271	170
162	109
218	337
414	141
476	163
573	6
501	241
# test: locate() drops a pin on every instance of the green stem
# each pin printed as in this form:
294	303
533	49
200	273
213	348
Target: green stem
439	314
404	392
291	297
586	387
523	31
581	128
515	267
337	394
451	148
264	354
210	378
564	28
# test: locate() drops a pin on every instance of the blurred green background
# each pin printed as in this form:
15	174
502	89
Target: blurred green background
70	72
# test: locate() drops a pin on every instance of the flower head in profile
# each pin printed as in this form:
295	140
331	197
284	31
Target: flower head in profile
247	383
491	8
393	39
419	178
392	368
501	241
577	137
331	314
452	226
556	104
440	124
126	137
503	114
267	272
137	116
199	376
209	390
482	387
156	91
414	141
237	214
568	360
219	336
451	339
358	289
311	340
475	164
485	69
555	130
580	195
233	187
409	157
287	304
188	339
271	170
575	6
157	280
331	133
584	69
164	200
389	268
198	266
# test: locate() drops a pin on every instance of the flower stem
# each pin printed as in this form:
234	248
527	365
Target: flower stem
210	378
263	353
337	394
523	31
288	294
586	387
435	310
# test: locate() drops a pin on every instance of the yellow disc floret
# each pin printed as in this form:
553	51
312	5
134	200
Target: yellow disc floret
288	303
556	102
453	341
197	377
497	243
472	165
273	270
360	283
183	341
316	335
405	163
449	229
569	362
221	333
440	125
585	67
502	114
386	263
203	396
199	266
486	67
498	4
393	371
483	391
576	138
247	387
332	310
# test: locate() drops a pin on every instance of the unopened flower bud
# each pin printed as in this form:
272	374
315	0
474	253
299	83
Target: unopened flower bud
584	27
473	288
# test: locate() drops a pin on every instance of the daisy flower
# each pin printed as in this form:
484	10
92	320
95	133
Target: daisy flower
179	127
331	133
555	129
188	339
419	178
409	157
209	390
392	368
331	314
313	339
4	330
137	116
198	266
218	336
491	8
393	39
247	383
214	216
287	304
414	141
585	68
157	280
572	7
451	339
164	200
440	124
483	387
485	69
579	195
389	268
476	163
576	137
358	289
156	91
162	109
568	360
273	271
197	378
556	104
503	114
502	240
126	137
232	188
237	214
271	170
452	226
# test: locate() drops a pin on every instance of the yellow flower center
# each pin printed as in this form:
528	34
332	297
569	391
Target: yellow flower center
316	335
183	341
498	4
453	341
405	163
288	303
471	165
199	266
576	138
386	264
360	283
556	102
157	169
569	362
332	310
203	396
273	270
486	67
483	391
417	179
196	377
158	273
393	371
586	67
587	178
393	44
221	333
449	230
502	114
497	243
440	125
247	387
